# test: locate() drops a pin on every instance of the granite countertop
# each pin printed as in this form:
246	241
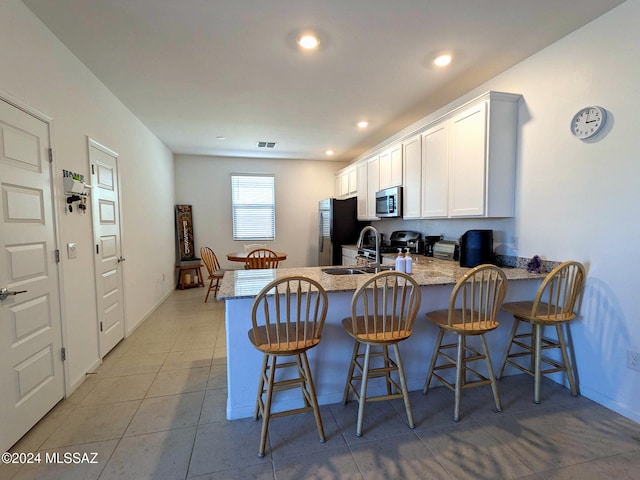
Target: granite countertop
427	271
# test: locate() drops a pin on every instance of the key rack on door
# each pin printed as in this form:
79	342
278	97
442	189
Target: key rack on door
75	190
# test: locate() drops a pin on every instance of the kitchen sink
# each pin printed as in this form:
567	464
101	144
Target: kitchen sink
355	271
342	271
381	268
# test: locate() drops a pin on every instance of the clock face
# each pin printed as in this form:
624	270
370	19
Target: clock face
588	122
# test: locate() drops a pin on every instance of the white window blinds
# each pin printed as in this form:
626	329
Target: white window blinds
254	209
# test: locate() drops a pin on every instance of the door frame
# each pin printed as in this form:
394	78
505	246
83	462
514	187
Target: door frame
95	144
57	193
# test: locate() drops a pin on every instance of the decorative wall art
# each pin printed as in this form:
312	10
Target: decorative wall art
185	251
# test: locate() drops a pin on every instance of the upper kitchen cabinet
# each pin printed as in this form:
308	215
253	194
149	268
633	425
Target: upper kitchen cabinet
347	182
412	171
352	175
482	157
460	165
373	185
363	180
368	184
391	167
435	171
468	162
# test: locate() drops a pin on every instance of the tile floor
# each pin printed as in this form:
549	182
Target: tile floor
156	409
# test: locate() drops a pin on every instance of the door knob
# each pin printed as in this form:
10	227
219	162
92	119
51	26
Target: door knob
4	293
121	259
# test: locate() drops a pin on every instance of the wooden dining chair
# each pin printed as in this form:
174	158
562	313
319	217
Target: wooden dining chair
261	258
383	310
213	268
288	317
553	306
473	306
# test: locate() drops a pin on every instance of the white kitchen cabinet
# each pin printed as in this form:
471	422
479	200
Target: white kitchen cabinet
352	177
460	165
373	185
468	160
344	183
435	172
482	158
467	166
412	183
340	183
391	167
363	192
368	185
347	182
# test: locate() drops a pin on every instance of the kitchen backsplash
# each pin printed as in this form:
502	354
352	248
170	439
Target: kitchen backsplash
452	229
521	262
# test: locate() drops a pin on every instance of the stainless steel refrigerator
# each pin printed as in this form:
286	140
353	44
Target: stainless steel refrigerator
338	225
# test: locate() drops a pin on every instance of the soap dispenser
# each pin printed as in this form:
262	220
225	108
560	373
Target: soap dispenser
408	262
400	263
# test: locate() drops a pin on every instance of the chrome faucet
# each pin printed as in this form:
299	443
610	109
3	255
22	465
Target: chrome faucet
377	235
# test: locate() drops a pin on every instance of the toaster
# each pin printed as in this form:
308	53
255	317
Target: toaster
445	250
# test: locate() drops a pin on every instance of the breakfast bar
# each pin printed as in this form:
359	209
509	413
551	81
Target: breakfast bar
330	359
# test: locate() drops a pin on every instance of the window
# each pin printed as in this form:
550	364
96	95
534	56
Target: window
254	207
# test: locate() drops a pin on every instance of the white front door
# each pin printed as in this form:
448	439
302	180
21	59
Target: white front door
108	251
31	370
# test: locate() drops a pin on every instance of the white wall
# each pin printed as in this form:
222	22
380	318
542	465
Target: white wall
205	183
39	71
578	200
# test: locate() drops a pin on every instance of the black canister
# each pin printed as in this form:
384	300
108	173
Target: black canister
476	248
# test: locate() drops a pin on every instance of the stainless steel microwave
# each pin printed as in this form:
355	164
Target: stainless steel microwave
389	203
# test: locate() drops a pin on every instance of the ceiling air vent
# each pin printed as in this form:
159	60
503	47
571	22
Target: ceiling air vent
267	144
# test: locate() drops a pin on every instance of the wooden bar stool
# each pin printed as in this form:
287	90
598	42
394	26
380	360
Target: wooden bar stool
383	310
288	316
473	307
553	306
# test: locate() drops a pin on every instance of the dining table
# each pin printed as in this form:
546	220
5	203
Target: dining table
242	256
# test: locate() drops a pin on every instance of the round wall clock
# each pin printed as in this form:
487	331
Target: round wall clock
588	122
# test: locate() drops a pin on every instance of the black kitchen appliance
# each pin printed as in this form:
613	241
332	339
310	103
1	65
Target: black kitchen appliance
429	242
401	239
338	225
476	248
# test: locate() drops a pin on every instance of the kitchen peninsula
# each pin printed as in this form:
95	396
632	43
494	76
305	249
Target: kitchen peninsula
330	359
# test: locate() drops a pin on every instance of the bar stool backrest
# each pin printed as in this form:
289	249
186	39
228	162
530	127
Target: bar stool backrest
386	305
557	295
478	296
289	314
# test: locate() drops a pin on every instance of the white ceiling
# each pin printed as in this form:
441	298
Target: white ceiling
192	70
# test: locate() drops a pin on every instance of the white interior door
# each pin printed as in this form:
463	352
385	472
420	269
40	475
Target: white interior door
108	251
31	370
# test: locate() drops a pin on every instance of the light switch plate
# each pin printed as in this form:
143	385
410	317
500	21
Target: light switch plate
71	250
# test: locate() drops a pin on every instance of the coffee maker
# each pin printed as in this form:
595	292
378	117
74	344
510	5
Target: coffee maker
476	248
429	242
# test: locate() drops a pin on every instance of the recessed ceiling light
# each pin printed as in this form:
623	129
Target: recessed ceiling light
363	124
221	137
442	60
329	152
308	41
